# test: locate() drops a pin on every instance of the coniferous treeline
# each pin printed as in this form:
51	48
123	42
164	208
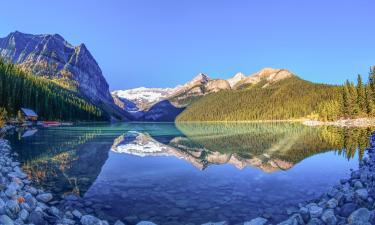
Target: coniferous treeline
357	101
51	101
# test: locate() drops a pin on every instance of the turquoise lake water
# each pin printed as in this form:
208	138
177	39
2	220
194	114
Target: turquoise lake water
188	173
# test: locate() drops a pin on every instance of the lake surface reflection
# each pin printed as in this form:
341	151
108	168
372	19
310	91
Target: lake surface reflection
189	173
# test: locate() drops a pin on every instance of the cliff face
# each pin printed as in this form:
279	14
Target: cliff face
53	57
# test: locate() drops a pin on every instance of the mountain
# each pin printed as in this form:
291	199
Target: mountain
235	79
266	75
72	67
51	101
164	104
196	88
271	94
142	97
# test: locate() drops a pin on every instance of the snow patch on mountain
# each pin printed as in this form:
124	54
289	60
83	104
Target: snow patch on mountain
144	97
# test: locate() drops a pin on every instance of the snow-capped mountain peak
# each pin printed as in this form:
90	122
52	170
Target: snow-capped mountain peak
144	97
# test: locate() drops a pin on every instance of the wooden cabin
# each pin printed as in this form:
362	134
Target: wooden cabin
29	114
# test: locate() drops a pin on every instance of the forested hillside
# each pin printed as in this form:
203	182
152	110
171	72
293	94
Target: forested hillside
291	98
51	101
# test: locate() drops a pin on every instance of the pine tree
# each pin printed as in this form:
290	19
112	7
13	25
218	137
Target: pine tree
361	97
3	117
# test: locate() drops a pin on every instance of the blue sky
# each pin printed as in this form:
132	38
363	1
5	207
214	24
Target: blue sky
161	43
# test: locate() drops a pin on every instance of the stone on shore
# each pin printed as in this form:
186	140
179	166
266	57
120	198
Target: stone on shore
315	211
46	197
362	193
151	223
77	214
90	220
256	221
118	222
5	220
329	218
347	209
360	217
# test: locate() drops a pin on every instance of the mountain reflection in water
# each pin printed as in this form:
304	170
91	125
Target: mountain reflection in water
149	167
269	147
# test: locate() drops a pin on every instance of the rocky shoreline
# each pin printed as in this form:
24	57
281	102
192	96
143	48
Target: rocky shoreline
352	201
20	203
349	202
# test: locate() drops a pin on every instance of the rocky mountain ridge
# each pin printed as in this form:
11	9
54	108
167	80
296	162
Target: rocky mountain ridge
140	100
72	67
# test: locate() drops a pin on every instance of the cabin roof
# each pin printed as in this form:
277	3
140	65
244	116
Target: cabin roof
28	112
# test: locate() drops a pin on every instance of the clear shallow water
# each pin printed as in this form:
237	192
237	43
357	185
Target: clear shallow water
189	173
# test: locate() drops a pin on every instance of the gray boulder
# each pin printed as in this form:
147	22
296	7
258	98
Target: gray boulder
359	217
90	220
315	221
37	218
24	214
347	209
329	218
332	203
118	222
256	221
5	220
315	211
77	214
12	209
151	223
290	221
362	193
44	197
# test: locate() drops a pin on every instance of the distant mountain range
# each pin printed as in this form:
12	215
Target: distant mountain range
72	67
140	101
